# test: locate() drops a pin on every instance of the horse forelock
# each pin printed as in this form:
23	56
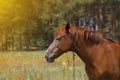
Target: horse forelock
59	31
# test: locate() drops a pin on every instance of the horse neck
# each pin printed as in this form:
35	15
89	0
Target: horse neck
81	49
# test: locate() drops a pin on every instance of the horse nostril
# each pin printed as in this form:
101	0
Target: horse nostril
49	58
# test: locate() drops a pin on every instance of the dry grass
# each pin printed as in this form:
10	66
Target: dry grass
32	66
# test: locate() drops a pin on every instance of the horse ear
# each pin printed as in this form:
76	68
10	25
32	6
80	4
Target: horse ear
67	27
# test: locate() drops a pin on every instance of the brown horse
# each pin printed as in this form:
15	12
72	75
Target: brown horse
100	55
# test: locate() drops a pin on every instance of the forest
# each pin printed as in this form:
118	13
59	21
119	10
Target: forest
29	24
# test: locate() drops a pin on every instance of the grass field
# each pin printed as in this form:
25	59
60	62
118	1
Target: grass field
33	66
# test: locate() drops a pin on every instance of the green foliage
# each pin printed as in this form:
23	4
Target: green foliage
30	23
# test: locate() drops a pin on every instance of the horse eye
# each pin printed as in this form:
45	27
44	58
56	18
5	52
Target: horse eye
59	38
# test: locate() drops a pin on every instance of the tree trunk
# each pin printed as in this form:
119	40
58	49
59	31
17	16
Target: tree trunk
13	42
27	45
6	42
112	22
20	42
1	44
119	31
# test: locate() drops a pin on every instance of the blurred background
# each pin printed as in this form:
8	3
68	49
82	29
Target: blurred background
27	27
29	24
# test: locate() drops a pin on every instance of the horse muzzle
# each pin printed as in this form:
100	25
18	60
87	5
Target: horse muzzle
49	58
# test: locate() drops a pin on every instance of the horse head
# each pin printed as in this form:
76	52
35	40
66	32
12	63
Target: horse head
62	43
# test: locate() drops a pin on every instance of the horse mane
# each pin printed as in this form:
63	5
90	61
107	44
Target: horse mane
111	40
90	36
93	36
96	36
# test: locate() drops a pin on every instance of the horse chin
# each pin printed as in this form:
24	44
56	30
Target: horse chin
50	60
